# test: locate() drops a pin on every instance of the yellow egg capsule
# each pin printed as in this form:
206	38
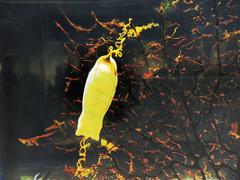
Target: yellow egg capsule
98	93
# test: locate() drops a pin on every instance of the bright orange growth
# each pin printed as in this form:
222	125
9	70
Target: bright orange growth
34	141
147	75
67	150
70	170
234	131
56	125
229	35
131	166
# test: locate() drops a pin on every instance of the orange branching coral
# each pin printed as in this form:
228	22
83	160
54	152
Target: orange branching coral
206	171
154	45
72	123
179	58
94	45
70	170
229	35
56	125
61	28
128	30
167	5
119	177
34	140
66	150
188	1
229	20
108	25
167	37
104	25
234	131
214	147
75	68
147	75
79	28
160	9
131	166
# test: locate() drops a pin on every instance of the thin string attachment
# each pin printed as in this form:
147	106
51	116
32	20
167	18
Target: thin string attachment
81	171
128	30
120	40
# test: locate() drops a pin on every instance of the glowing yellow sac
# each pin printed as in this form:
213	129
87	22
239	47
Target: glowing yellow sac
98	93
